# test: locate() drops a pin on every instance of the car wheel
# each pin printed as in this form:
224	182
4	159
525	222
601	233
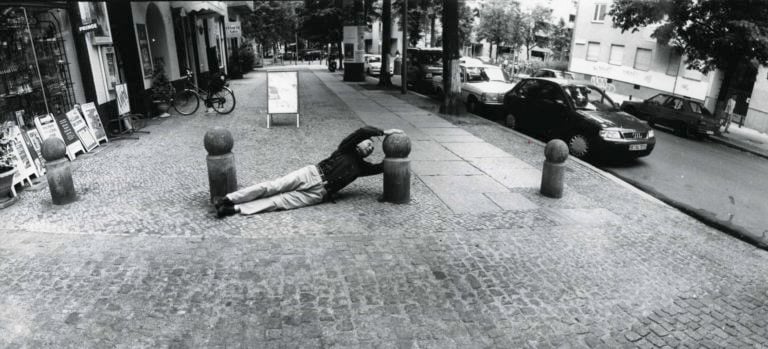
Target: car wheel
472	105
511	121
579	146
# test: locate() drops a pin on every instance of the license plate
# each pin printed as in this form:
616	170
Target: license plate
635	147
710	132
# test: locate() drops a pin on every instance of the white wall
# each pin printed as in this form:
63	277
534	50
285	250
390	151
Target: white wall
139	11
757	114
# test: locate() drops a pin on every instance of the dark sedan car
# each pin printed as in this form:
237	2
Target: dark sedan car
578	113
688	117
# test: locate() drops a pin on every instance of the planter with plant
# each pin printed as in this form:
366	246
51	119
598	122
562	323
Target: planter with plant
7	166
161	91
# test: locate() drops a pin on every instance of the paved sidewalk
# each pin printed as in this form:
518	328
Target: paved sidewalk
140	261
744	138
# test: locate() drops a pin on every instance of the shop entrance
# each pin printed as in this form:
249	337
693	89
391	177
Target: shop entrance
158	44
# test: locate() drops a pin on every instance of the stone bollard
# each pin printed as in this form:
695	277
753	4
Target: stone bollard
222	177
553	174
58	171
397	168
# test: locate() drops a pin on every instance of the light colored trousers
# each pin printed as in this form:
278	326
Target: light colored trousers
299	188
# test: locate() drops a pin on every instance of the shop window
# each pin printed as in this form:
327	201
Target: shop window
35	74
600	11
643	59
617	54
593	51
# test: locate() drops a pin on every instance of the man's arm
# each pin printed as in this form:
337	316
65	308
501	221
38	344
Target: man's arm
358	136
369	169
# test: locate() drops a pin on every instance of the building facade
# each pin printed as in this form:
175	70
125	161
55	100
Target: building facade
633	65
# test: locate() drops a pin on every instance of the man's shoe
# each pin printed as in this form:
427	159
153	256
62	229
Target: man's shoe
221	201
225	210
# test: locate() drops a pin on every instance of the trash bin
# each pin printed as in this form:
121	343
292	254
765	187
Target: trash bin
398	66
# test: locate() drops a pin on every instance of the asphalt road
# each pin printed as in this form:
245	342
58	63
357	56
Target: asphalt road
709	180
721	183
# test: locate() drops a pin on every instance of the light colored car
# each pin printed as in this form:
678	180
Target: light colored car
481	86
373	64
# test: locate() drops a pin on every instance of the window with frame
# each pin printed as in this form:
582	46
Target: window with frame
617	54
643	59
593	51
658	99
673	66
600	12
528	89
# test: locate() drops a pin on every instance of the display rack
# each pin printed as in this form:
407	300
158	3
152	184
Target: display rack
34	69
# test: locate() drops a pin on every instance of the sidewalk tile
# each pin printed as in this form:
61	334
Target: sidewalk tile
476	150
443	131
430	150
512	201
584	216
457	139
443	168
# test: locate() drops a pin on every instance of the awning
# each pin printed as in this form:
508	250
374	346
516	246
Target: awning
202	7
542	49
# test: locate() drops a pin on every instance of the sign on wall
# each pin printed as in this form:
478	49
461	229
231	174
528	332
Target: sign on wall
91	115
123	103
234	29
146	55
81	130
95	20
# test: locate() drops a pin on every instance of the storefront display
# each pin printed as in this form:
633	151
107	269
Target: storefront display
34	69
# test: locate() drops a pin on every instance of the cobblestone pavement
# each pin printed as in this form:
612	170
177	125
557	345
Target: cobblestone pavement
140	260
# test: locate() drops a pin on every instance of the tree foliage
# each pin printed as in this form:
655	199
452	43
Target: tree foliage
321	21
270	23
712	34
560	40
466	23
494	24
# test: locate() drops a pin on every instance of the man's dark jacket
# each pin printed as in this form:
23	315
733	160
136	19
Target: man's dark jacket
345	164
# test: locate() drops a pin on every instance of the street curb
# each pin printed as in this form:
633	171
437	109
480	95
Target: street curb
649	193
736	146
730	229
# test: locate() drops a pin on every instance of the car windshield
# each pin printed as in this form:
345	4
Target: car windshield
494	74
588	98
432	58
474	74
374	59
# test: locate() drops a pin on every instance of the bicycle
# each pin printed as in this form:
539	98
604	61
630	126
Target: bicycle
186	101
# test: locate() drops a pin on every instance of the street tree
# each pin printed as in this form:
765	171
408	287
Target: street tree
416	15
712	34
386	46
451	80
535	28
466	23
494	22
560	40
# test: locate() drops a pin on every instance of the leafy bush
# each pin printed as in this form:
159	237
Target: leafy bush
247	57
161	89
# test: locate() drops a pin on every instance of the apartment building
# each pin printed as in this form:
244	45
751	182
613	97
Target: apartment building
633	65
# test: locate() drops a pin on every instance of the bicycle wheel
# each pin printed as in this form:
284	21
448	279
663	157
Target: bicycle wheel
223	101
186	102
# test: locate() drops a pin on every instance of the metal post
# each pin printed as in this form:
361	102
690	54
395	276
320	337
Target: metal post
404	63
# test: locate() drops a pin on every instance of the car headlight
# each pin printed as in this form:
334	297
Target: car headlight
610	134
650	134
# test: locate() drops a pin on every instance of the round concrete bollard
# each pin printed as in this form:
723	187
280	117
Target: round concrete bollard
222	176
58	172
397	168
553	174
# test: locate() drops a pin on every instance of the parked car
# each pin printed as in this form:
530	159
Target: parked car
423	65
482	86
688	117
372	64
552	73
580	114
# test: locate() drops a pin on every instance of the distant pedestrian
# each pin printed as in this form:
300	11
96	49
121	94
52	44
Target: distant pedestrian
309	185
729	112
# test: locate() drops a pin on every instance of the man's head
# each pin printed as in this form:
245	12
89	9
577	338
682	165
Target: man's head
364	148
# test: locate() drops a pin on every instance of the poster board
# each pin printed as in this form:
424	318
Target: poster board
144	52
81	130
70	136
91	116
35	145
46	126
25	166
282	94
123	103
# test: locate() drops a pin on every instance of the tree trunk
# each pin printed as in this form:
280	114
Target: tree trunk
451	80
386	45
